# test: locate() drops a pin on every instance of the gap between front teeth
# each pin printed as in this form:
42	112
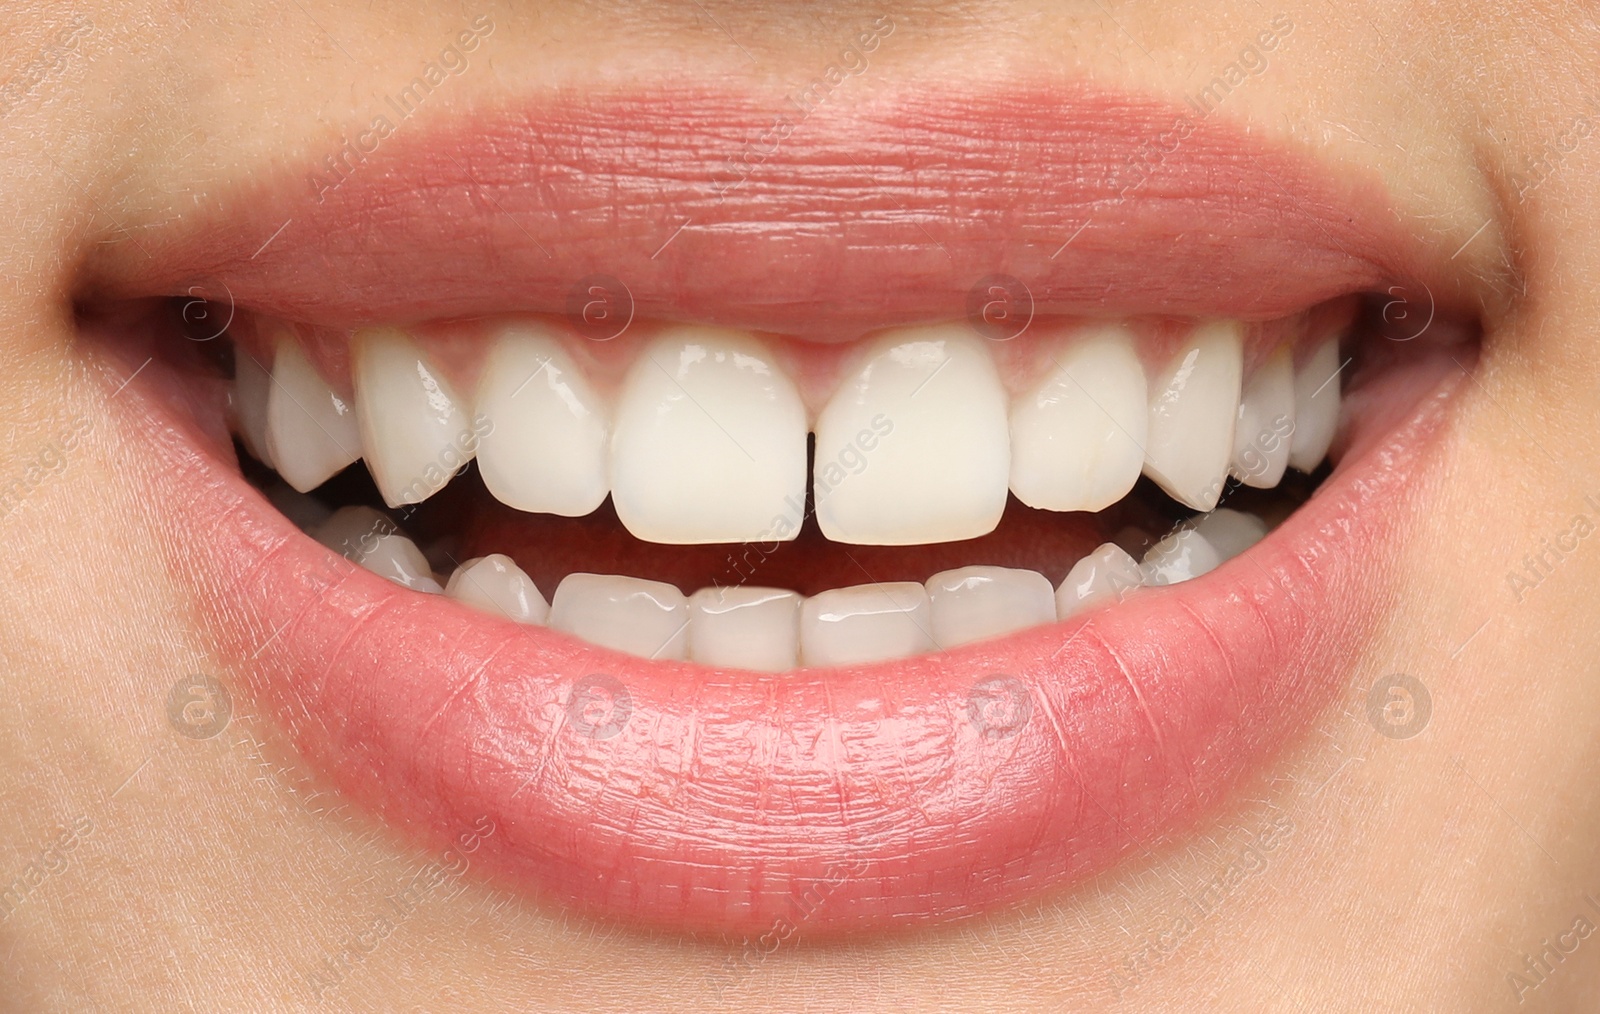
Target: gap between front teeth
772	629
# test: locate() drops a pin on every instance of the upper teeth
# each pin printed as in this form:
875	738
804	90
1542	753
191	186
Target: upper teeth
702	439
1194	404
710	440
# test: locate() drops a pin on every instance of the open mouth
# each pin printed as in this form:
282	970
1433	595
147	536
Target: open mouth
731	604
1005	477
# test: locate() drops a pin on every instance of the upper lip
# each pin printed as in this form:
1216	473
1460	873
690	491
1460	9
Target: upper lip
722	799
1098	202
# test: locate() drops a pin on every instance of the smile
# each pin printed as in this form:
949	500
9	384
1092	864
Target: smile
905	529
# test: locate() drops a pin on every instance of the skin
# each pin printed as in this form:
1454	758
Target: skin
218	873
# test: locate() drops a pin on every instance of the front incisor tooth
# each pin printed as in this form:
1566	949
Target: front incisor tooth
1194	404
644	618
975	603
1316	405
1181	556
312	433
866	623
1108	574
745	628
1077	440
370	540
710	442
914	447
545	449
495	584
1266	421
414	433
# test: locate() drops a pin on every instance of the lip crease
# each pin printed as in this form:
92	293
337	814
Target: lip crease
920	790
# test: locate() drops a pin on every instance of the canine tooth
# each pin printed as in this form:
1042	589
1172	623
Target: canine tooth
1266	421
710	442
1077	440
1194	403
413	432
1108	574
312	433
914	446
866	623
1181	556
252	387
1230	532
546	446
745	628
495	584
369	539
644	618
973	603
1316	404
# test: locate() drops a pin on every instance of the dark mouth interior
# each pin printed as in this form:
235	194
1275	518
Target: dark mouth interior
464	521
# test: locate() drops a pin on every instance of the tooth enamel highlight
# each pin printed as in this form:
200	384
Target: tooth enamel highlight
974	603
1266	421
545	449
495	584
644	618
710	442
312	433
1077	440
1181	556
914	446
370	540
1316	403
745	628
1231	532
1194	404
1108	574
252	388
414	433
866	623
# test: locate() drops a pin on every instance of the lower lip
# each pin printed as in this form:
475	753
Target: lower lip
908	792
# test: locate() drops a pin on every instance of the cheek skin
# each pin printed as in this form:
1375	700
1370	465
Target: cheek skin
1424	866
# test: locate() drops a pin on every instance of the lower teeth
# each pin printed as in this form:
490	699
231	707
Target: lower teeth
773	629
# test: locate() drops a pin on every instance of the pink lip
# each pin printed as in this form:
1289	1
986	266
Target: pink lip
924	789
865	216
